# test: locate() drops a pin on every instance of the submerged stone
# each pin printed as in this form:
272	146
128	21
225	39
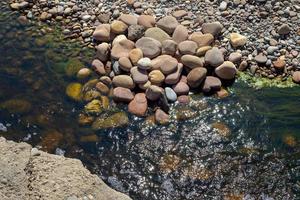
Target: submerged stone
73	66
113	121
73	91
18	106
93	107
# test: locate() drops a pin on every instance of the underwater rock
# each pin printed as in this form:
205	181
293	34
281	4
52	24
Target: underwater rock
89	138
85	120
83	73
93	107
289	140
73	66
185	113
161	117
90	95
17	106
221	128
138	105
113	121
169	163
51	140
73	91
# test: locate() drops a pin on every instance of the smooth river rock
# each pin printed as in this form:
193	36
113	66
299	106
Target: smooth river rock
226	71
139	105
150	47
121	94
214	57
196	77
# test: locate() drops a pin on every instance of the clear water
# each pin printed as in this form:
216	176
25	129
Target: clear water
256	156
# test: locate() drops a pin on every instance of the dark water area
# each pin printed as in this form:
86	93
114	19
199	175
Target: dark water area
246	145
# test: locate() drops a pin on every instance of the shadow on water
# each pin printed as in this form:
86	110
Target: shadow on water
245	145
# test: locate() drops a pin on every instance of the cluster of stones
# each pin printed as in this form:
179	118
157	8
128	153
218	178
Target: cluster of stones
148	62
271	53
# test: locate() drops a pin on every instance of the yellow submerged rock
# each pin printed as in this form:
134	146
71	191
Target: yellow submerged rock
93	107
116	120
73	91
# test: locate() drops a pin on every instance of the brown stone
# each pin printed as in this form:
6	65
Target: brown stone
139	105
135	55
150	47
196	77
168	24
180	34
121	94
167	64
202	39
187	47
147	21
128	19
122	49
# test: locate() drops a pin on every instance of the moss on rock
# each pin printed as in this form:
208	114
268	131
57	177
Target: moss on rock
115	120
73	91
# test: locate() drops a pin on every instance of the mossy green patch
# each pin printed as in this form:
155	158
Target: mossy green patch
73	66
18	106
262	82
115	120
73	91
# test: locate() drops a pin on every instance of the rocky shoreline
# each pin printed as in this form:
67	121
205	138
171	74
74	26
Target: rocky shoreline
272	27
27	173
159	53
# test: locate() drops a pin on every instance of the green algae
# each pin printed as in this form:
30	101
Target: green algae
262	82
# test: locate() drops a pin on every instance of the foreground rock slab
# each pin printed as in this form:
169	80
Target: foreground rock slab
27	173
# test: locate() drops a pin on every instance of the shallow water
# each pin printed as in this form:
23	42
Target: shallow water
255	155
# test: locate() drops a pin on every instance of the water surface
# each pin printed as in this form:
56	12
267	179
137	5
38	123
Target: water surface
245	145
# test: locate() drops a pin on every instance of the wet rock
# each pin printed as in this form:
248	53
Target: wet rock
156	77
237	40
106	80
170	94
102	33
122	49
124	81
121	94
150	47
135	55
17	106
93	107
296	77
173	78
98	67
261	58
102	88
222	93
243	66
73	66
102	51
118	27
211	83
51	140
157	34
113	121
147	21
202	39
153	93
90	95
181	88
185	113
85	120
213	28
221	128
196	77
191	61
144	64
284	29
139	105
83	73
169	47
125	64
167	64
139	76
214	57
184	99
89	138
180	34
226	71
187	47
128	19
161	117
168	24
73	91
135	32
